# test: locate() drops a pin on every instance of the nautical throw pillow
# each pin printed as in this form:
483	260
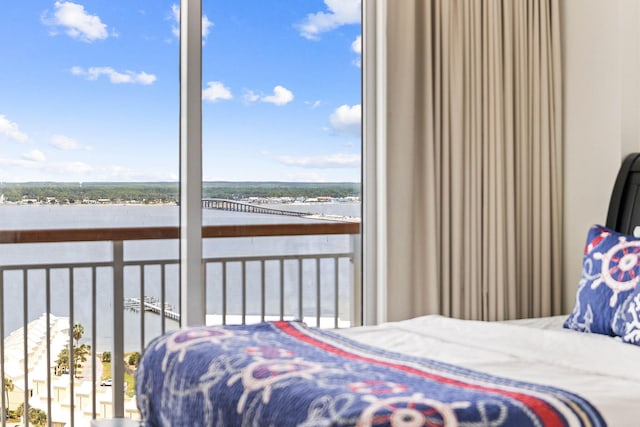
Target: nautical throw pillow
610	273
626	324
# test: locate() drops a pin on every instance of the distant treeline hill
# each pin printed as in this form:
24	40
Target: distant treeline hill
168	191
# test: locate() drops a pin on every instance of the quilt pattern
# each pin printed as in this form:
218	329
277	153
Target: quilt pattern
281	374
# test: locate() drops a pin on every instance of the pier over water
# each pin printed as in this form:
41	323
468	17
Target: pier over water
152	305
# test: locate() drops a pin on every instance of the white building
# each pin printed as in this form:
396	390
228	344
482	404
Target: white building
36	354
60	385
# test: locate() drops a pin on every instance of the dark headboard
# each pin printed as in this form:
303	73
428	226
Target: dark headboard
624	206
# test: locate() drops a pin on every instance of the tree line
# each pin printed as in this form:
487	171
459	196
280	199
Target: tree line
167	192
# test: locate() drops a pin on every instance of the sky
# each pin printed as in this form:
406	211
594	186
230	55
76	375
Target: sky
89	90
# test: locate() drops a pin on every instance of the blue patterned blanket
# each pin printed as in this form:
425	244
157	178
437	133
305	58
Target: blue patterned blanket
285	374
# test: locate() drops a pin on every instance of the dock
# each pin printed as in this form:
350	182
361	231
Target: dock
152	305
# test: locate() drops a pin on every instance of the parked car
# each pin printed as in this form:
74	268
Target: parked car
106	383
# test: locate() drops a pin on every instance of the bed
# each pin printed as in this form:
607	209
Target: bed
577	370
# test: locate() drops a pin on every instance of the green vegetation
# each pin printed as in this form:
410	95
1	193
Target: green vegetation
76	193
134	358
131	384
8	387
129	374
14	415
243	190
167	192
106	370
37	417
80	353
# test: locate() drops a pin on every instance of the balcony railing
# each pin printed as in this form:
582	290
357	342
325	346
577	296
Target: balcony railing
139	295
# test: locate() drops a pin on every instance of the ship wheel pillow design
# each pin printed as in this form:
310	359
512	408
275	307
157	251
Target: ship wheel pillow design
610	273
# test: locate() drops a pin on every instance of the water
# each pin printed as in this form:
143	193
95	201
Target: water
14	217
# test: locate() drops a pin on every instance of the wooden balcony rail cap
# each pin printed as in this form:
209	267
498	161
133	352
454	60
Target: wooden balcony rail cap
155	233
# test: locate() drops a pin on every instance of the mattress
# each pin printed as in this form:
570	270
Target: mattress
599	368
243	375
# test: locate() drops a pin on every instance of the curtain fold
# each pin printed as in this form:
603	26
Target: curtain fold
474	158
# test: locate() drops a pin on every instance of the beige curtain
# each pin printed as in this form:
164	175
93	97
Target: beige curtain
474	158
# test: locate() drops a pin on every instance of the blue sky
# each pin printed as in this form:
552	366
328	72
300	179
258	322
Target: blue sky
89	90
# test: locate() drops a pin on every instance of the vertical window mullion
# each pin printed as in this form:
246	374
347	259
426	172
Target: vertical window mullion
191	285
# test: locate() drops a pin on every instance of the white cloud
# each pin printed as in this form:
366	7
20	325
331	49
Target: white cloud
175	28
347	119
34	161
356	46
121	173
11	130
32	166
250	96
76	22
116	77
34	156
206	26
70	168
340	12
175	16
323	162
65	143
313	104
216	91
19	163
281	96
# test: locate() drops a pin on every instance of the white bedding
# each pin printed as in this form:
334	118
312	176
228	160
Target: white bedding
601	369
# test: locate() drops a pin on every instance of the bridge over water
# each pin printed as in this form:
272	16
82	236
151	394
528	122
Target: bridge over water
235	206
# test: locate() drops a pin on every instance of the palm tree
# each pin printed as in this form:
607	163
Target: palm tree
80	352
37	417
62	362
78	331
8	387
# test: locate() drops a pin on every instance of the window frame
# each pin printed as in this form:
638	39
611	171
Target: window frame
373	143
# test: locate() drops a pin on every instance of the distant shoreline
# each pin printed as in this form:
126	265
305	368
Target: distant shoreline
131	193
154	203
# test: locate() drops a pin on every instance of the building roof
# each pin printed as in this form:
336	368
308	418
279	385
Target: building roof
36	348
